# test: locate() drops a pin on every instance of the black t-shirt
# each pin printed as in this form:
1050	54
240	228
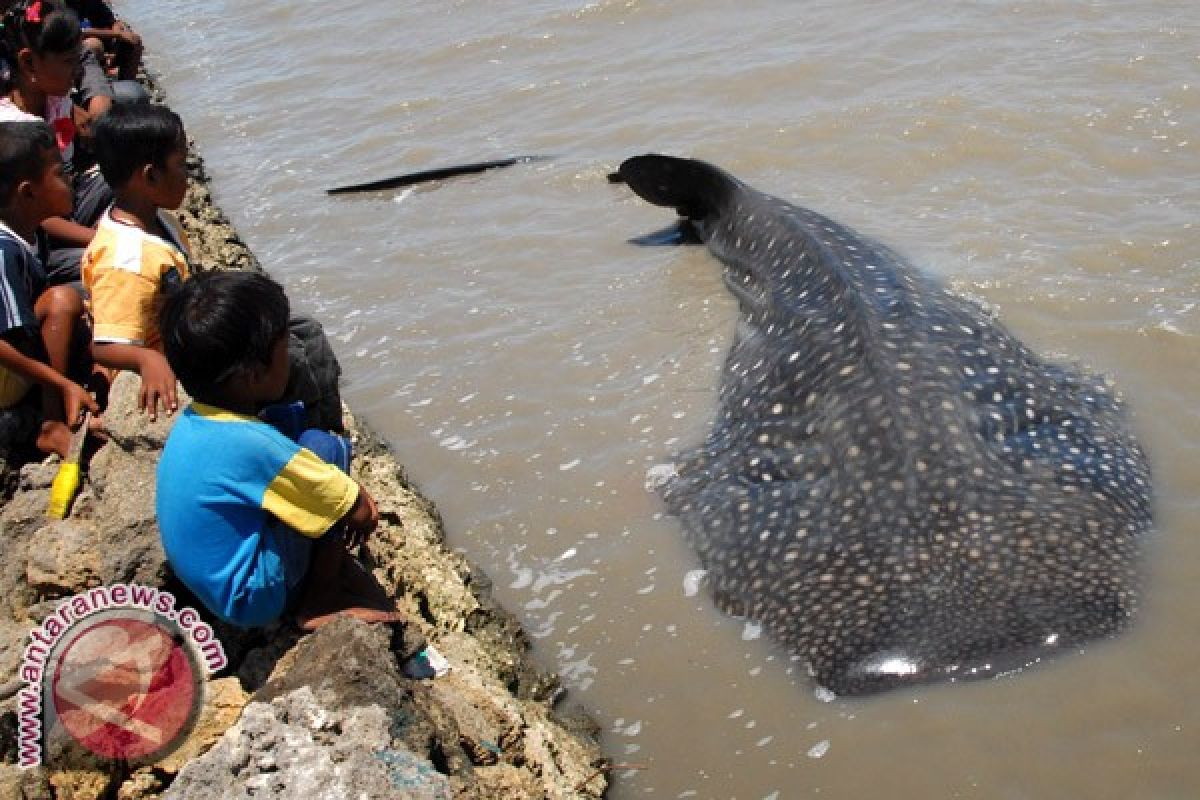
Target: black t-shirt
93	13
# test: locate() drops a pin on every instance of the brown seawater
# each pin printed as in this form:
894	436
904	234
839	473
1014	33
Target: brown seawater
529	366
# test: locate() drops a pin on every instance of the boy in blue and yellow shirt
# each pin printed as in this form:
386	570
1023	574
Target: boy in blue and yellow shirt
254	523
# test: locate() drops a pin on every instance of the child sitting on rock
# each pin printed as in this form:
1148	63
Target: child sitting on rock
38	323
139	250
111	39
40	40
255	524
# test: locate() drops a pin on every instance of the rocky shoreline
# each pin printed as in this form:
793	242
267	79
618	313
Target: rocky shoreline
326	715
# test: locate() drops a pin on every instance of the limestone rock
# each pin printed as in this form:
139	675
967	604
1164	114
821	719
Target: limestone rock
13	638
129	427
223	704
39	474
144	783
17	783
63	559
80	784
296	746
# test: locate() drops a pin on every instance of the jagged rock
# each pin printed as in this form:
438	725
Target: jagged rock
505	780
69	556
336	719
17	783
81	784
143	783
297	746
63	559
349	663
223	704
129	427
39	474
12	644
258	663
21	517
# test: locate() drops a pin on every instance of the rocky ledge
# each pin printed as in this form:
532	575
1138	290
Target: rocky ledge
325	715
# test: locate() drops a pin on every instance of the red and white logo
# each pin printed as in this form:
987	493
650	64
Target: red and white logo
125	688
116	672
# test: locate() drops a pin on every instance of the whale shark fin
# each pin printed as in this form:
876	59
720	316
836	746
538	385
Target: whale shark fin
679	232
439	174
694	189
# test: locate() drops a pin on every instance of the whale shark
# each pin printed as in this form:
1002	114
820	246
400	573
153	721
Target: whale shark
894	487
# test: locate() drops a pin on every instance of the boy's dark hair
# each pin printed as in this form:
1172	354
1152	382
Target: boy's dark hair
218	322
130	136
44	26
23	146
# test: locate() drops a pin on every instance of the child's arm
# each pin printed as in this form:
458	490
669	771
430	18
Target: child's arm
119	32
83	123
74	397
362	519
158	380
74	233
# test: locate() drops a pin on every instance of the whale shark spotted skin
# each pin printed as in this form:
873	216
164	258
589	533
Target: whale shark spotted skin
894	486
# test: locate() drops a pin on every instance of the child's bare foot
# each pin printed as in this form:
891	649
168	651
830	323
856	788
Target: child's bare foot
337	585
95	426
310	622
54	437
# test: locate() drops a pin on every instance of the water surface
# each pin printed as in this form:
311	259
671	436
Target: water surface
529	366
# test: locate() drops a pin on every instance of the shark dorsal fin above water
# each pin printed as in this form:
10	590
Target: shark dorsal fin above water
894	486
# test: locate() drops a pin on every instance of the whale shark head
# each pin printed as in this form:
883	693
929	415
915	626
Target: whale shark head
894	486
788	267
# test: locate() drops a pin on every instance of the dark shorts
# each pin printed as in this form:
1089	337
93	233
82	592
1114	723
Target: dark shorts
92	81
129	93
313	375
92	197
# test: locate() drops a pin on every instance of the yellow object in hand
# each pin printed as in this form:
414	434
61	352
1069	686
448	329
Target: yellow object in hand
66	482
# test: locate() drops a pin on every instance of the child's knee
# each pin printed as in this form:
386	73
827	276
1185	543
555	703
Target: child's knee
329	447
95	45
59	301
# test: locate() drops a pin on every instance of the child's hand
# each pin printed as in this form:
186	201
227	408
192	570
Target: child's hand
158	385
75	399
361	520
83	122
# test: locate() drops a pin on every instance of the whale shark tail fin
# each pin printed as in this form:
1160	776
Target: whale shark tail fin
693	188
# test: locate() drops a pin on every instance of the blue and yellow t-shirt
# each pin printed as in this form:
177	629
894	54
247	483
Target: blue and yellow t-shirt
223	481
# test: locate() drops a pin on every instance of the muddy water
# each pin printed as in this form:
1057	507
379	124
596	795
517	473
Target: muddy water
530	366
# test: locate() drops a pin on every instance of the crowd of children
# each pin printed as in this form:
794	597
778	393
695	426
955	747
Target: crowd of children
256	508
